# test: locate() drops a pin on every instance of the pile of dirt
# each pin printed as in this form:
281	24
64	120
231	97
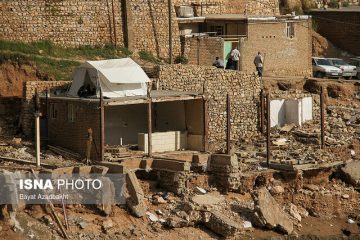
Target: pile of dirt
321	47
12	76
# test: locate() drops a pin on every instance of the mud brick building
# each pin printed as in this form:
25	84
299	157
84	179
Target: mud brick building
285	41
340	26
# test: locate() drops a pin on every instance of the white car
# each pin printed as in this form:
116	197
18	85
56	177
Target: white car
323	68
348	71
356	62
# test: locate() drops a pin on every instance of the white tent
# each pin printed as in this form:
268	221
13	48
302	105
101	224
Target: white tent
116	78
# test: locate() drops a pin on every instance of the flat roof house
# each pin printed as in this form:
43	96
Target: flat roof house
285	41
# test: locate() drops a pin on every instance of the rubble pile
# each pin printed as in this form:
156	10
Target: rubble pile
342	125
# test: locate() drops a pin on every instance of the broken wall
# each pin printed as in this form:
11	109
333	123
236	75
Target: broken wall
288	111
72	134
306	99
28	105
122	123
244	90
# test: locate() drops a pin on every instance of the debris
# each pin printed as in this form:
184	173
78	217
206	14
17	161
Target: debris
108	224
207	199
200	190
16	141
221	224
176	222
350	221
65	152
165	195
159	200
277	190
293	210
83	224
302	211
351	173
287	128
159	212
47	220
345	196
136	200
152	217
280	142
268	212
352	153
15	223
247	224
311	187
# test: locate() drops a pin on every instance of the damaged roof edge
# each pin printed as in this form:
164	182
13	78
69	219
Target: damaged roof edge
156	96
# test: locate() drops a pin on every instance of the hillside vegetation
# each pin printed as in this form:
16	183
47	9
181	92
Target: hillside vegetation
59	62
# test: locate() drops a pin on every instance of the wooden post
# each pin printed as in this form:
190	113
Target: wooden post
262	117
322	118
89	145
268	154
37	128
149	121
170	31
228	124
37	138
102	127
206	125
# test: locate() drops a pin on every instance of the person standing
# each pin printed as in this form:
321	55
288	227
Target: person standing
235	57
258	62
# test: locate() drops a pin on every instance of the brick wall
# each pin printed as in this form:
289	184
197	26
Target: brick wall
203	50
28	105
243	89
250	7
342	28
65	22
139	25
73	135
284	56
148	28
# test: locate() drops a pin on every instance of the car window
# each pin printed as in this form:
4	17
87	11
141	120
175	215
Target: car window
339	62
313	62
321	61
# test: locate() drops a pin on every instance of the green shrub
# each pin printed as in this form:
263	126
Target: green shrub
315	25
147	56
181	59
345	4
125	51
334	4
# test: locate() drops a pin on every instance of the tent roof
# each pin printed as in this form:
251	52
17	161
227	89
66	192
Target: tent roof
123	70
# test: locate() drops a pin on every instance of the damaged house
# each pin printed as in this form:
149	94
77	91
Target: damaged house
116	105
